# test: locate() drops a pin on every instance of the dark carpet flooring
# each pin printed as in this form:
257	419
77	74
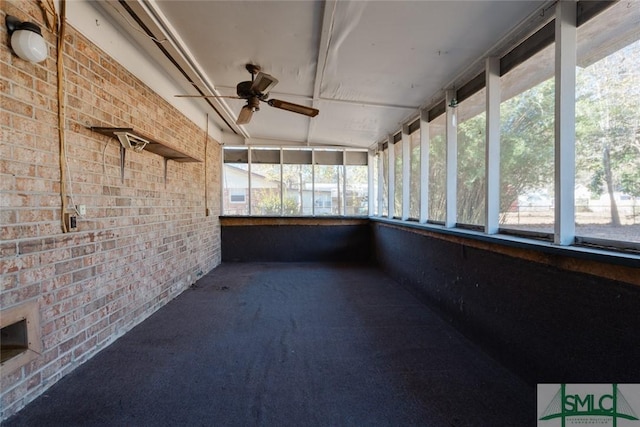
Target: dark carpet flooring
288	344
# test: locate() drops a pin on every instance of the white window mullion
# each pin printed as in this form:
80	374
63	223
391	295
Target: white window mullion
313	182
249	179
344	184
281	183
452	161
392	178
406	172
424	167
492	154
370	182
381	172
223	201
565	95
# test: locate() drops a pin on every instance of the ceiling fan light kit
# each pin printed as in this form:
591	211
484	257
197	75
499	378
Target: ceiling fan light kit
256	90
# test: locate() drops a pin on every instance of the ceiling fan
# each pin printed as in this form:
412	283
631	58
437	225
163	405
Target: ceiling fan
256	90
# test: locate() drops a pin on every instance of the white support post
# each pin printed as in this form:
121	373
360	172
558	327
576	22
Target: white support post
424	167
223	199
313	182
492	154
249	180
392	178
380	180
565	122
370	182
344	183
406	172
452	162
281	182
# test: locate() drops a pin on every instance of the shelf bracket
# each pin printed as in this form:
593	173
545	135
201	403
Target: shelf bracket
166	161
123	152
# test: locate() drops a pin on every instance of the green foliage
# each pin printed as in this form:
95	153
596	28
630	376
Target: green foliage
527	143
267	202
597	181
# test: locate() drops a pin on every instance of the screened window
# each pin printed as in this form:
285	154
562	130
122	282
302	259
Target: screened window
295	181
266	189
607	144
385	181
356	183
607	194
236	181
397	151
471	119
414	178
527	144
437	169
328	191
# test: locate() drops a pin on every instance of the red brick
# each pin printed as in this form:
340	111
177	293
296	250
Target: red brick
105	277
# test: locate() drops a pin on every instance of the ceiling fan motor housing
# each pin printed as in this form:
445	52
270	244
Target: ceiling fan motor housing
243	89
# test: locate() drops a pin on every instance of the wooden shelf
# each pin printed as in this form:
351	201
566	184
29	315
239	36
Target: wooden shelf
153	146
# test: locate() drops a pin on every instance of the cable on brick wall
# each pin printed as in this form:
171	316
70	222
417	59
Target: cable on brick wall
49	12
61	112
206	176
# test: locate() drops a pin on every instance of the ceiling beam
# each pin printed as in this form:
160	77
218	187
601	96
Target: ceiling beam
321	63
149	15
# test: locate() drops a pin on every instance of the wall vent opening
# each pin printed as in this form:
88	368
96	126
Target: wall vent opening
13	340
20	339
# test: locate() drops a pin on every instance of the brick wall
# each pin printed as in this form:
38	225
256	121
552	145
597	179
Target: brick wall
141	242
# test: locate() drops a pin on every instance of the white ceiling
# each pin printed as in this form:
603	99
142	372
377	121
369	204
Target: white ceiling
368	66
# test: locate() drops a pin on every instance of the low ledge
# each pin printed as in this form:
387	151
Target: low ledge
231	221
611	265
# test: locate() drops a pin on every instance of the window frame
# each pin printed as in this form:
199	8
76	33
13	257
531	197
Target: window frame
559	27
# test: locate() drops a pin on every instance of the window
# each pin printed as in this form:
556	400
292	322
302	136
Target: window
266	189
607	156
607	194
471	126
527	144
328	188
414	177
397	180
385	181
356	183
236	181
237	197
437	169
295	181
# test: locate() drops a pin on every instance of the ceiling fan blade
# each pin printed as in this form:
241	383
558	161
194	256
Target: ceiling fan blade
263	83
245	115
208	96
296	108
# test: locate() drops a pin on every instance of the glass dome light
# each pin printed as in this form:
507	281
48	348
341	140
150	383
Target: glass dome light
26	40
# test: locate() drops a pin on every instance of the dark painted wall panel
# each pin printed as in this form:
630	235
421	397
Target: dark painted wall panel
545	323
282	243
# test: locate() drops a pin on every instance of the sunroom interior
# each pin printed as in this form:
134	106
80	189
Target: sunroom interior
459	224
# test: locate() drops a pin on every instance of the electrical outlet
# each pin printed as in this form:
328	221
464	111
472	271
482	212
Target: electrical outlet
71	221
82	209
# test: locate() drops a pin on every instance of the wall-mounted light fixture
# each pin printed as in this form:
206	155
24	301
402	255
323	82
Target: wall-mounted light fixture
453	105
26	40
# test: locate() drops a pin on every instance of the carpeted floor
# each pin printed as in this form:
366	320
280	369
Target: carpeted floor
288	344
